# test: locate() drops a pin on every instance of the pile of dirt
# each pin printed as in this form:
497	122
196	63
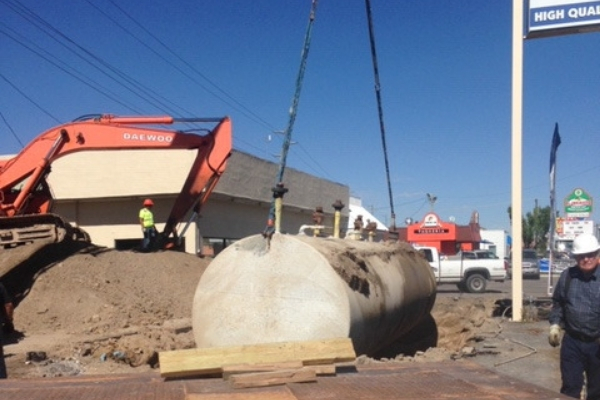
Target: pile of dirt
98	310
461	321
89	310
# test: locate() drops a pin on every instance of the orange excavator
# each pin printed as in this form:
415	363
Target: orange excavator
25	196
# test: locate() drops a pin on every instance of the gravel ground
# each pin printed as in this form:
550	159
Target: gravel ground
517	349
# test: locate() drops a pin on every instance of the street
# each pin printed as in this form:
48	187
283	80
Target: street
536	298
532	288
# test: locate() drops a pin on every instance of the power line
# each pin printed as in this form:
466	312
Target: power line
55	61
11	130
82	53
237	105
42	109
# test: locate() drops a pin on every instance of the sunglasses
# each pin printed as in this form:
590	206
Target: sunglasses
593	254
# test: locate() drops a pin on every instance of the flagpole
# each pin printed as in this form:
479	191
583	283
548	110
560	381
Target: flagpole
551	251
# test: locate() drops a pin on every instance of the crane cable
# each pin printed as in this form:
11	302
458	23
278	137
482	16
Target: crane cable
380	111
279	190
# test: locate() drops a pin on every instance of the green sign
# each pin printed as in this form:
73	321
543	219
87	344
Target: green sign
578	204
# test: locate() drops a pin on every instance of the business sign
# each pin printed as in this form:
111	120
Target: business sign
578	204
431	225
569	229
560	17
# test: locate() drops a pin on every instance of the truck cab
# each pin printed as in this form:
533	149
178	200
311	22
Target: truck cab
469	274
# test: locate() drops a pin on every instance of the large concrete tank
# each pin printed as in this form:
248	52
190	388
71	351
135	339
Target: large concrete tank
295	288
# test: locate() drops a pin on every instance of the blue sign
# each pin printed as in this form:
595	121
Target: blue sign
544	265
556	17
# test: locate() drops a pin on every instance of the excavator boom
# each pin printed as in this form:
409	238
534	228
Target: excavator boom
25	196
206	170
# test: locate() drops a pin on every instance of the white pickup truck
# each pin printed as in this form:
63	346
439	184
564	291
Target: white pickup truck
469	275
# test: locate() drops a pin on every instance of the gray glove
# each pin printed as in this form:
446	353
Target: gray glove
554	335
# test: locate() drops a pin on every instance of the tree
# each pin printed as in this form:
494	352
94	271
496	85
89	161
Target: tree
536	225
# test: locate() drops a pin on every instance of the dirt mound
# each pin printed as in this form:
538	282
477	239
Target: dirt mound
88	310
92	306
460	321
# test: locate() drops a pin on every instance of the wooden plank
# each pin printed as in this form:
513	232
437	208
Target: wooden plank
320	370
198	362
262	379
229	370
275	393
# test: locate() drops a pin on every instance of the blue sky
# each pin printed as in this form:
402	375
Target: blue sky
445	73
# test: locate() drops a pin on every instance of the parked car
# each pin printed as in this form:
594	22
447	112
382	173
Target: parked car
530	266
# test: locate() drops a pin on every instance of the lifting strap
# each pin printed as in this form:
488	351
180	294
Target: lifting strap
278	190
380	111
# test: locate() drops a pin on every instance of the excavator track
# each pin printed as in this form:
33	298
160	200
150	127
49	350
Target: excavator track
35	228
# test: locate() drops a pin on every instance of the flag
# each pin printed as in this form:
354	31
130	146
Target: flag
553	148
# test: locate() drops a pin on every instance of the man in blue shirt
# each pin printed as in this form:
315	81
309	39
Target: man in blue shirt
576	310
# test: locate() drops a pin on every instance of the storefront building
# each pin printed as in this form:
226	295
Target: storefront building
448	237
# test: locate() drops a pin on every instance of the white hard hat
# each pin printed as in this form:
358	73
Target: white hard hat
585	243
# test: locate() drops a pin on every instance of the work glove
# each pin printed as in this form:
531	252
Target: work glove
554	335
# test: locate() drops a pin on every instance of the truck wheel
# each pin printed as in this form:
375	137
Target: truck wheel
476	283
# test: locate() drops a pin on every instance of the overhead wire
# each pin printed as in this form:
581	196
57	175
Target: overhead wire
66	68
130	84
29	98
237	105
11	129
312	165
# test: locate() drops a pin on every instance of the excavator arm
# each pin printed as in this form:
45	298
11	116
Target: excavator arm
26	199
206	170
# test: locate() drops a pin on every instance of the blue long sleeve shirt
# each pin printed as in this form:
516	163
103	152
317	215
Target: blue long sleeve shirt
578	309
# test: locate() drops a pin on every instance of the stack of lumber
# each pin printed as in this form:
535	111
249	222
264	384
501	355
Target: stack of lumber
260	364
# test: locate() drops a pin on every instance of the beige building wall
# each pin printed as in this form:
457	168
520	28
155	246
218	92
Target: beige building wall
102	193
